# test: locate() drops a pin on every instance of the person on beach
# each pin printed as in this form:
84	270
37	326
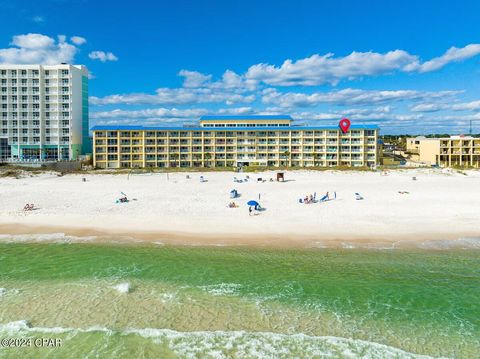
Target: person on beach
250	210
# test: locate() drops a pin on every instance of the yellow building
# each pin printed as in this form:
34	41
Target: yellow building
231	141
446	152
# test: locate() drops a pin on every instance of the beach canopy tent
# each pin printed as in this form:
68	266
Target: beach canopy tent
280	176
253	203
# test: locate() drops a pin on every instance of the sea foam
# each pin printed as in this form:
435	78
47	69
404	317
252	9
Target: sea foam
446	244
241	344
45	237
123	287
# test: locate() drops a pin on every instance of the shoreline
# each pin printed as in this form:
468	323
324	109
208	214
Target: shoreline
95	235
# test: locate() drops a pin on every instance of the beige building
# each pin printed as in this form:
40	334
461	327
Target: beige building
446	152
231	141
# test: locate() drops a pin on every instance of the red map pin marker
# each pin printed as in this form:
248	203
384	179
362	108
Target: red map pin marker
344	125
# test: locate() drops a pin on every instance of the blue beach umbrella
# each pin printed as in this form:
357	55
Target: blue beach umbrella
252	203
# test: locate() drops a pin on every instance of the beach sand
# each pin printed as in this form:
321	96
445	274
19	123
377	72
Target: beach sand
171	208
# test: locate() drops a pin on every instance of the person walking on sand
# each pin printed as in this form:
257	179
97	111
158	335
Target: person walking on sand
250	210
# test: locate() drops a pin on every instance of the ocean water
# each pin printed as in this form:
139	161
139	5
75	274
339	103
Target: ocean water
114	300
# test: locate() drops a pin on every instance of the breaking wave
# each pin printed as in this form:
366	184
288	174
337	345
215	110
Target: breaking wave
225	344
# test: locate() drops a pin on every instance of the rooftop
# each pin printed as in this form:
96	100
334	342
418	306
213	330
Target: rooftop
262	128
247	117
452	137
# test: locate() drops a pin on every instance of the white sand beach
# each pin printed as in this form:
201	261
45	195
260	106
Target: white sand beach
439	205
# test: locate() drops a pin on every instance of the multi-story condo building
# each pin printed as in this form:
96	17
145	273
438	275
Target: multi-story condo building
461	151
226	141
43	112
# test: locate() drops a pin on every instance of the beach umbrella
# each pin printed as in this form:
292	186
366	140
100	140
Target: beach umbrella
252	203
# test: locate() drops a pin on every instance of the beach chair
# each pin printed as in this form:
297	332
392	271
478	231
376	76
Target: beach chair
358	196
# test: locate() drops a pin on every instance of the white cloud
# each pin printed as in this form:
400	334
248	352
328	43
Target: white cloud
159	113
230	81
175	96
102	56
434	107
161	116
33	41
193	79
347	97
38	19
376	115
453	54
38	49
467	106
78	40
428	107
236	111
318	69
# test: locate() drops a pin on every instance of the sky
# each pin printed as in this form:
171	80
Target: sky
408	66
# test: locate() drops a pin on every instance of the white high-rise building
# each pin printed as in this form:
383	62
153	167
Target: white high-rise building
43	112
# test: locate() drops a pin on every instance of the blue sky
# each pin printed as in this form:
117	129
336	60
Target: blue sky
408	66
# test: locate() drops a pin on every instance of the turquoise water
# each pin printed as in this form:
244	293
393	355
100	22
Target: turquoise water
117	300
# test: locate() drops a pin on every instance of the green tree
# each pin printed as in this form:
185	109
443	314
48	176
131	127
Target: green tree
174	157
286	155
208	157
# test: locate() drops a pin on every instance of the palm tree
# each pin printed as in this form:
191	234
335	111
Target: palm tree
286	155
174	157
208	156
197	157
